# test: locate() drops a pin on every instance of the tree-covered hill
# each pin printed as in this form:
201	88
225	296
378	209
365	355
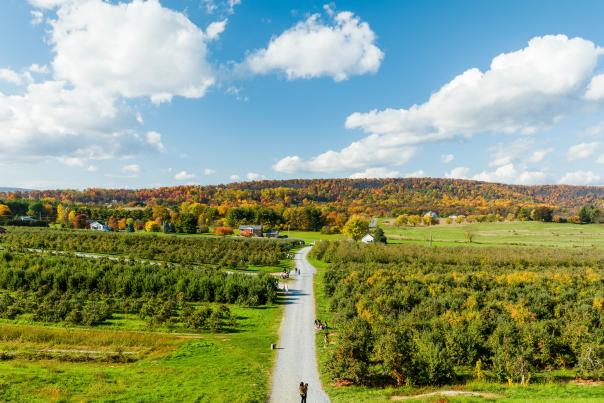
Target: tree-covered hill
372	196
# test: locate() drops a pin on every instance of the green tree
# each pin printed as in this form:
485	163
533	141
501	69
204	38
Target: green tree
589	214
356	227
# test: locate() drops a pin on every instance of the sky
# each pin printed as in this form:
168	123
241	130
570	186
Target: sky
135	93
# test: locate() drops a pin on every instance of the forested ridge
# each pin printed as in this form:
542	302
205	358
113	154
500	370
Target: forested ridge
374	196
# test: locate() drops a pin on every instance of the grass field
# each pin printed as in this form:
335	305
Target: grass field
498	234
67	364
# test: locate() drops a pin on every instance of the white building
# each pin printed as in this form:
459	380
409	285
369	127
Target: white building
97	226
368	239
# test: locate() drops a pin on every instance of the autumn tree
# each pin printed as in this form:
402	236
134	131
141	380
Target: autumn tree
356	227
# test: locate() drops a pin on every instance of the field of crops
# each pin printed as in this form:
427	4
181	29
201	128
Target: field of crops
132	326
405	317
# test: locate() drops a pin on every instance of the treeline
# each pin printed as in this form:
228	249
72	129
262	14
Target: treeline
89	291
382	197
422	316
223	252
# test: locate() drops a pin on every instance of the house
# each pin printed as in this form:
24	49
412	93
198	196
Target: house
374	223
97	226
368	239
26	218
250	230
432	215
272	233
2	231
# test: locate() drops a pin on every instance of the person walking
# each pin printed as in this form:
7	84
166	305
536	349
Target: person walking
303	390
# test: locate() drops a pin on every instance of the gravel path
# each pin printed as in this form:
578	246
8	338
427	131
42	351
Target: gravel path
296	355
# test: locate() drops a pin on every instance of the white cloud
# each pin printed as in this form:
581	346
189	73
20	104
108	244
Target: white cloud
215	29
600	159
154	140
377	172
582	151
521	93
231	5
509	174
366	153
39	69
579	178
342	47
183	176
133	169
92	168
253	176
539	155
12	77
458	173
135	49
416	174
595	89
446	158
209	172
234	178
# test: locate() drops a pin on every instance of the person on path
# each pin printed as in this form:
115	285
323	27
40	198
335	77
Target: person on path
303	390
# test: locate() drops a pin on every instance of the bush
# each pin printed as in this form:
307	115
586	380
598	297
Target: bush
223	231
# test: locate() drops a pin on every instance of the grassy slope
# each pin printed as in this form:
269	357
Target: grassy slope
542	393
497	234
223	367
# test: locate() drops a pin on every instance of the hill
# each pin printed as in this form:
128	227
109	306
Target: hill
371	196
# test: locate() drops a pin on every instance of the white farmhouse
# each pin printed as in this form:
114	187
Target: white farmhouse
368	239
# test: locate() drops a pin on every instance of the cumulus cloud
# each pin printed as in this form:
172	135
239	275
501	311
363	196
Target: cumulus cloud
579	178
446	158
510	174
136	49
133	169
234	178
539	155
366	153
582	151
458	173
209	172
104	54
522	92
377	172
253	176
215	29
184	175
341	47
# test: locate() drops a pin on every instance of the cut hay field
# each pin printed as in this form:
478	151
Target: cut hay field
498	234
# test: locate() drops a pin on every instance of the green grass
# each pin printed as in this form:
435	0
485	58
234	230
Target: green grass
561	389
499	234
223	367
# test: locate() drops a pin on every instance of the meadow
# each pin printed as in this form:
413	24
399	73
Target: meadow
81	328
512	324
515	233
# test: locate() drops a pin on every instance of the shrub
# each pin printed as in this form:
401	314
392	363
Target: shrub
223	231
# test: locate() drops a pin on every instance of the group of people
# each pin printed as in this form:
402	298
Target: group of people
303	391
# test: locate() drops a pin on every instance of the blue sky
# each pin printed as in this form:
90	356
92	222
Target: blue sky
141	94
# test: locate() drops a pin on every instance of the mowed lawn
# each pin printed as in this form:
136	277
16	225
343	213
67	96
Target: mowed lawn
205	367
498	234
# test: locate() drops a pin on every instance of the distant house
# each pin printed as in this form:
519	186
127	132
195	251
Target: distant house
374	223
97	226
2	231
26	218
368	239
431	214
250	230
272	233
